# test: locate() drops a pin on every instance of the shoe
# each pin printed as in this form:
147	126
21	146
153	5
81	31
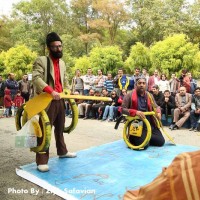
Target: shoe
85	118
103	120
110	120
191	129
174	127
68	155
171	126
195	129
43	168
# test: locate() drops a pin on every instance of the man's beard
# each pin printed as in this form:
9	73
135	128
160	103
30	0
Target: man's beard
58	54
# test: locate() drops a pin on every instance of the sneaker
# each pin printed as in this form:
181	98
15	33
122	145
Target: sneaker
191	129
103	120
195	129
43	168
68	155
85	118
110	120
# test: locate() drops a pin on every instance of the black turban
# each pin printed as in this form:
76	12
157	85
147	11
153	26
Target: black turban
52	37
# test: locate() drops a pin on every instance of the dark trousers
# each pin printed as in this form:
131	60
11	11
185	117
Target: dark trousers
56	114
25	96
157	138
194	118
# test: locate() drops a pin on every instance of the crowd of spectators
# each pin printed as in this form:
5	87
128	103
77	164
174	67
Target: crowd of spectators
13	93
178	97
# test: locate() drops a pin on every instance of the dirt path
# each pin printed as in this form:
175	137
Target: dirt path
87	134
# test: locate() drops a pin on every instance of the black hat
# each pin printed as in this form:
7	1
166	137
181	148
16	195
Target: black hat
52	37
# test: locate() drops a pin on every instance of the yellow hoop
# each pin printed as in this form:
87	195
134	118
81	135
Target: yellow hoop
148	136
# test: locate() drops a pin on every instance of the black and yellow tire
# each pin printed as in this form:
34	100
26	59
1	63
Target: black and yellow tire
74	109
74	120
126	135
18	117
21	118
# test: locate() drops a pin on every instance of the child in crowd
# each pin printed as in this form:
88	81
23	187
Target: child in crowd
7	102
18	101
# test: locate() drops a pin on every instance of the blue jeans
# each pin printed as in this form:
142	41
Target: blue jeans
86	92
110	112
194	118
7	112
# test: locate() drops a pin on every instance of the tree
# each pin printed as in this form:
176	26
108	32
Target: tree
2	65
41	17
82	13
139	57
82	63
109	59
192	27
111	15
6	40
175	53
18	60
155	19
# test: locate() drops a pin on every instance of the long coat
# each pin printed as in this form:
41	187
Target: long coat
40	74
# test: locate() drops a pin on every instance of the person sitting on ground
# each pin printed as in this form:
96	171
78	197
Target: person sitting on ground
84	108
167	104
182	110
136	103
94	110
111	110
195	111
103	104
158	95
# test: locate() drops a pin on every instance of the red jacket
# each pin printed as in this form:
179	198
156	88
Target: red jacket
7	98
19	100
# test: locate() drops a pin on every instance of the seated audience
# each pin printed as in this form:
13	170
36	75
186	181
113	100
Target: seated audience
167	104
182	110
158	95
195	110
110	111
84	108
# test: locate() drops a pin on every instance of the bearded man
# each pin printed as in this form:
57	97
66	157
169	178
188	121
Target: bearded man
49	75
136	103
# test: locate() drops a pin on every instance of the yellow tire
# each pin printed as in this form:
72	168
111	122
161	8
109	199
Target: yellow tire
21	118
126	134
19	114
74	120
